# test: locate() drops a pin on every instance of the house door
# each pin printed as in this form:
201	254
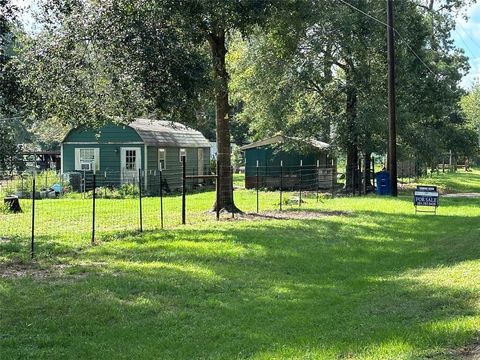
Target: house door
130	164
200	161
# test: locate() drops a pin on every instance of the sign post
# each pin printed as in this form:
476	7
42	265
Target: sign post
426	196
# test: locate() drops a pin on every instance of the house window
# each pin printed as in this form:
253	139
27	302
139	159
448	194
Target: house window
87	155
87	159
131	159
162	159
183	152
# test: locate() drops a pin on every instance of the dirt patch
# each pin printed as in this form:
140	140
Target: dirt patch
20	270
469	352
288	215
463	195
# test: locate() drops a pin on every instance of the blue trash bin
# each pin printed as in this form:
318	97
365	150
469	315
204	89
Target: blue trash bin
382	180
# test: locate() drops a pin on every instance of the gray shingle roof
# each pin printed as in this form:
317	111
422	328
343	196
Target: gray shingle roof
161	133
278	139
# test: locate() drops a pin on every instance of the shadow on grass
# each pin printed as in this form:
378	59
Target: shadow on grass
328	287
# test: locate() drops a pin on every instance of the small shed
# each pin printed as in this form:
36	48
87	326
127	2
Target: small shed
290	163
43	160
117	152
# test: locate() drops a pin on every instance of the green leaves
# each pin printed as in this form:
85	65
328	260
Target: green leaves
112	61
302	75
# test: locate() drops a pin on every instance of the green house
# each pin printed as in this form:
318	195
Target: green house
119	154
289	163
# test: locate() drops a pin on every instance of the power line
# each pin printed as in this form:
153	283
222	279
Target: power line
468	35
400	36
465	43
364	13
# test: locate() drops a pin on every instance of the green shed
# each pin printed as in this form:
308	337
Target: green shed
304	163
118	152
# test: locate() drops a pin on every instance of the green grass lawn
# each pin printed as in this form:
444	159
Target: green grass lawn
370	281
459	181
239	180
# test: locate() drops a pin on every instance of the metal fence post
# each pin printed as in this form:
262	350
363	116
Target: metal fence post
94	196
32	250
334	177
265	176
161	200
373	173
105	184
140	198
366	172
281	184
83	185
233	207
217	192
301	178
359	177
151	181
257	186
352	173
317	176
184	186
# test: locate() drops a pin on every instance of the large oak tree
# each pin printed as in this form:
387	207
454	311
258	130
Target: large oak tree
333	69
97	61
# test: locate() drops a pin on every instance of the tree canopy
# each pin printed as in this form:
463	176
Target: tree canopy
251	68
11	91
327	78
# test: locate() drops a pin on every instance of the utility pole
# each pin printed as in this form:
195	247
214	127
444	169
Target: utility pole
392	131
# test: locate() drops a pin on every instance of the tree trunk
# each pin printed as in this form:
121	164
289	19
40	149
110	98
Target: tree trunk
12	204
218	50
351	171
368	175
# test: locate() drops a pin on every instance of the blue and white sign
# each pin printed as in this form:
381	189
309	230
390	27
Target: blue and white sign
426	196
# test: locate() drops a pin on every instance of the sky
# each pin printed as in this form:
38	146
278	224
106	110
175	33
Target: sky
466	37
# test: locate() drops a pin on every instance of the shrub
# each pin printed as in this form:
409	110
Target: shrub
127	190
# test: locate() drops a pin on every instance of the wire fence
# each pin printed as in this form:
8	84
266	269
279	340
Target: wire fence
61	210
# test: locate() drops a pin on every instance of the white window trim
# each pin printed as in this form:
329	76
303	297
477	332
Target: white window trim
96	158
164	152
127	175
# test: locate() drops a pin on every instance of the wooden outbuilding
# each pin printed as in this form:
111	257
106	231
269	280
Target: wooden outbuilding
290	163
117	152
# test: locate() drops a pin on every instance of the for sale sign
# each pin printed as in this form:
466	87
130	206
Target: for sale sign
426	196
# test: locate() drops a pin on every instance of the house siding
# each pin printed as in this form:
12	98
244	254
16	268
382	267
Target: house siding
109	133
269	165
111	138
172	174
110	159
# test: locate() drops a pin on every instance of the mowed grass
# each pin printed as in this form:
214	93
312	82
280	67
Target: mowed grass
370	281
459	181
